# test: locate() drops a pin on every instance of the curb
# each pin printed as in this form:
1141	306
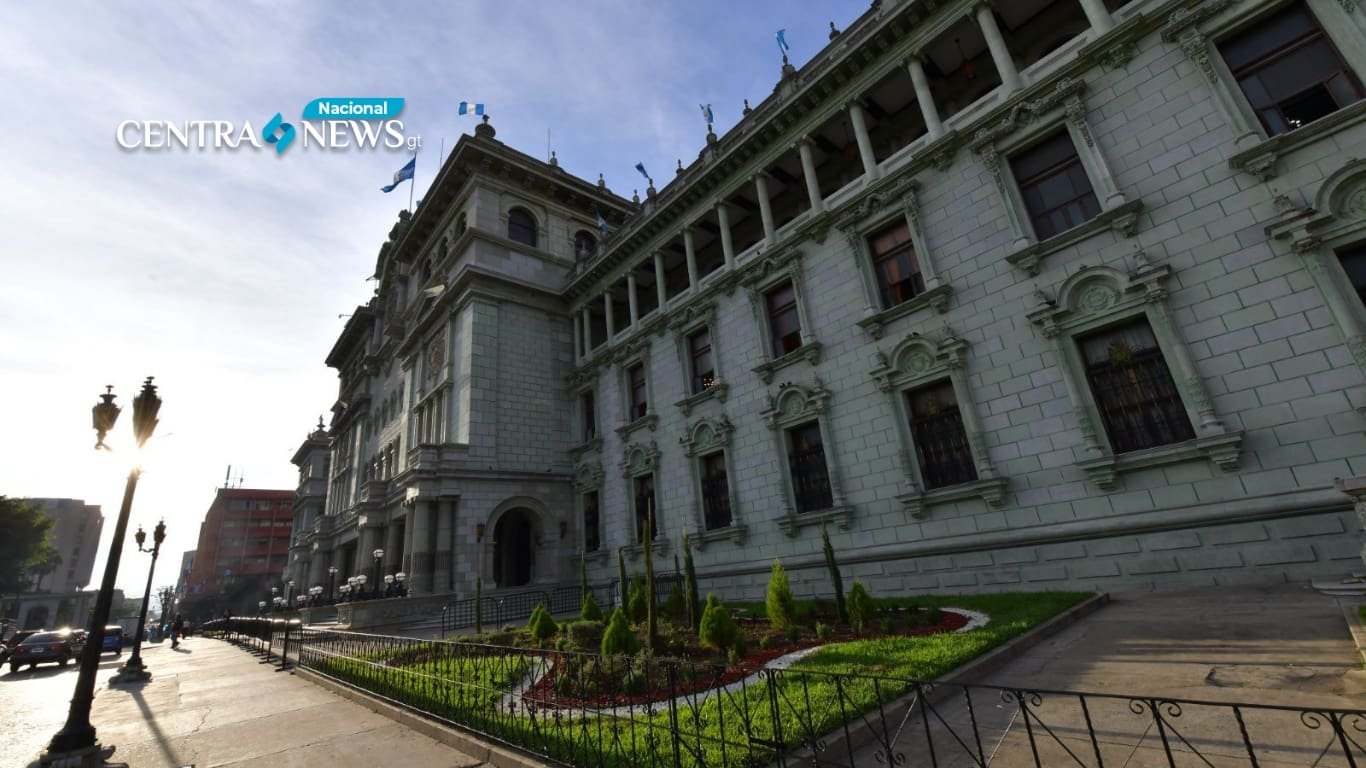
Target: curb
1354	625
860	734
487	754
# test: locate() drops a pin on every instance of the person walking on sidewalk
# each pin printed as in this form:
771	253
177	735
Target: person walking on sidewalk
176	629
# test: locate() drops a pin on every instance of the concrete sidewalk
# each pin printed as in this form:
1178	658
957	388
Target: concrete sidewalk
213	704
1286	645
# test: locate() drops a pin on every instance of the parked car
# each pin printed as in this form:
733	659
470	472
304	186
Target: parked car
113	639
60	646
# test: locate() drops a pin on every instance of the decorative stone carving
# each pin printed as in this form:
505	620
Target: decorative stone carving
587	477
706	435
640	459
795	403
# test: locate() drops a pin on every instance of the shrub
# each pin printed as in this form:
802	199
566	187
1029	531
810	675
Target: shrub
564	684
638	607
822	631
590	610
766	642
860	606
794	633
737	651
887	625
585	634
633	682
541	624
674	607
781	608
933	616
503	637
619	639
718	628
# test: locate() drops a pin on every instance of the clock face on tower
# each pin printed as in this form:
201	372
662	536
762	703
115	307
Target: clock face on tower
436	357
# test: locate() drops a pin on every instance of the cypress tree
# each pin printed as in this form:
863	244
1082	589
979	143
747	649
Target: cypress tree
651	614
621	579
690	593
840	610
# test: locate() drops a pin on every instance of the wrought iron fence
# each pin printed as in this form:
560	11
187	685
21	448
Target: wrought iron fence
578	709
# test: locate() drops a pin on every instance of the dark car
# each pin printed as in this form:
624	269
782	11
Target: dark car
113	639
60	646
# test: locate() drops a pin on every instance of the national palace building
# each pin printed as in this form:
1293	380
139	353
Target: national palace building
1024	294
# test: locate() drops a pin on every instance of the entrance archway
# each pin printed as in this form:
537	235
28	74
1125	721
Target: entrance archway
513	555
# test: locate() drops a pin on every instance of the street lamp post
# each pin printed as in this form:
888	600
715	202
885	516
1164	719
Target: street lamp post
360	585
331	581
134	669
289	589
75	744
379	557
399	589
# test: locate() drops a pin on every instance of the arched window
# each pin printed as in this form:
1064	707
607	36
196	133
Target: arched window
585	245
522	227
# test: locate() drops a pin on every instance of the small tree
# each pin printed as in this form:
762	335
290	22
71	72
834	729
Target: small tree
651	614
478	605
718	629
674	607
621	579
619	639
781	608
841	610
590	610
860	606
542	624
691	596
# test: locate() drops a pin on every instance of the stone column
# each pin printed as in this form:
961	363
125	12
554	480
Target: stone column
690	252
445	525
865	144
1098	15
420	575
578	339
607	309
1355	487
631	297
765	209
587	331
727	245
393	548
1000	54
813	187
924	98
660	291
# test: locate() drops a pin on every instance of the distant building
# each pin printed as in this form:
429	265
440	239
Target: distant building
245	535
76	535
183	576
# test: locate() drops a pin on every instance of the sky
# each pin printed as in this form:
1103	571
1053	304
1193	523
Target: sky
224	274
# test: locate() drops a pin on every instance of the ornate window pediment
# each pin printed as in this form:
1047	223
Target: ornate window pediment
640	459
795	403
1094	298
702	440
587	477
706	435
810	470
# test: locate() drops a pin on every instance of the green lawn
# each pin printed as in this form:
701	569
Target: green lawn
831	687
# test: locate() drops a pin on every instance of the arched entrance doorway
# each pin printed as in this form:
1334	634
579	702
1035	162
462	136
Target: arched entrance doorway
512	548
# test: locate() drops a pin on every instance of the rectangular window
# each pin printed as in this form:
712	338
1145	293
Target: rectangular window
699	352
639	398
715	491
1354	264
591	542
1054	185
783	320
588	425
1137	398
1289	70
806	459
941	443
645	506
895	265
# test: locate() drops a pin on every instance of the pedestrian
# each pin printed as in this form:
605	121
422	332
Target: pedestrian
177	628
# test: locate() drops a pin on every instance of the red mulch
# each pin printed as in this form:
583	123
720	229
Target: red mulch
709	672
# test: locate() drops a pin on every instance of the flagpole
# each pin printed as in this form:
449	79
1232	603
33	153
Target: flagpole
412	182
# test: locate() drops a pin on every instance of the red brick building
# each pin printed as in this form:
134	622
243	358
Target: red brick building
244	536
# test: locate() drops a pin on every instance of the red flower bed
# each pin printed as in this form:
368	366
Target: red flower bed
708	670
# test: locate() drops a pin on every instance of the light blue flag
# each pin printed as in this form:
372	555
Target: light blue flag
782	41
471	108
402	175
641	167
602	223
706	113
